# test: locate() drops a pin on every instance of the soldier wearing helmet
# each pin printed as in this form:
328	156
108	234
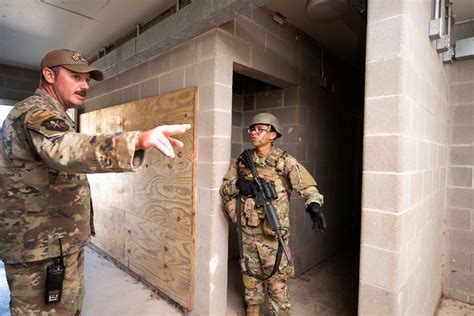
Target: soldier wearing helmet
259	248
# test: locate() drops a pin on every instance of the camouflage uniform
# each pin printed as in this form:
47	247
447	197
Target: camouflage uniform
45	195
259	244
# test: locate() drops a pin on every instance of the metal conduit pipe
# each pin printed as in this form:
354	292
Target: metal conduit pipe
449	54
435	31
437	11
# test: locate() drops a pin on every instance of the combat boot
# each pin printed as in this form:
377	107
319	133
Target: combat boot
253	310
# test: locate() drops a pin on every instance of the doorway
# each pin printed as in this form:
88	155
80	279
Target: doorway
322	129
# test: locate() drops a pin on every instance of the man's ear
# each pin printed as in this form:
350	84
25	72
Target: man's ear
48	75
273	135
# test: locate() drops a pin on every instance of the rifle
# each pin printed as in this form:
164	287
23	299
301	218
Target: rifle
266	193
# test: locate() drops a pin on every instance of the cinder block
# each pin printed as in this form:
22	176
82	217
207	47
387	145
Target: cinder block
250	32
374	300
427	183
287	34
389	37
235	47
249	103
464	114
388	192
111	58
462	72
460	197
291	96
184	55
206	44
22	85
269	99
130	94
237	134
278	47
236	118
228	27
287	72
463	135
265	20
214	123
389	153
386	77
382	268
416	185
126	50
380	10
150	88
462	240
263	61
462	282
459	219
237	102
215	96
381	230
236	150
462	93
172	81
136	74
160	64
214	149
460	176
462	155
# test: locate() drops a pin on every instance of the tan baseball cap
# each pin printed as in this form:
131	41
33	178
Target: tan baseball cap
71	60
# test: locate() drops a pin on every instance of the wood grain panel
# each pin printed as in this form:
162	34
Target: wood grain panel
145	219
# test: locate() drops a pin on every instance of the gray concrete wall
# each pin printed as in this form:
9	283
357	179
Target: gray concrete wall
17	83
405	162
459	268
207	61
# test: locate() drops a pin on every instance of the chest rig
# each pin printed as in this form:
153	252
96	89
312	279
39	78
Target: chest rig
271	186
270	168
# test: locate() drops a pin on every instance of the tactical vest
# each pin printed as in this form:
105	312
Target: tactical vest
253	220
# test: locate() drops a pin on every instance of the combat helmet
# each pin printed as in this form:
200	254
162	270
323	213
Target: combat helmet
267	118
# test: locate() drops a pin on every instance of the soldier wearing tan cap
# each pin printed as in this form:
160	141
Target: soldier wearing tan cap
45	213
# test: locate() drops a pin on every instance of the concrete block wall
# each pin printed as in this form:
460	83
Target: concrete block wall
405	162
459	269
316	123
194	63
17	83
208	61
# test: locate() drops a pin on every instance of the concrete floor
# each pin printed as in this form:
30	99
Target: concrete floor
328	289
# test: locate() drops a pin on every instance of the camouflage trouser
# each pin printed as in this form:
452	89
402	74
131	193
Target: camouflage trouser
27	287
261	250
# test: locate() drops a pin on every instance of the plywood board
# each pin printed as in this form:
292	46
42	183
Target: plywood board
145	219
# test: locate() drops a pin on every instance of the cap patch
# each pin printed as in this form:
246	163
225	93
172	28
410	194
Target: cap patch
76	56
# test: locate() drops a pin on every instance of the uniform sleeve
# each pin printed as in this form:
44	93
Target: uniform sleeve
63	149
228	187
302	182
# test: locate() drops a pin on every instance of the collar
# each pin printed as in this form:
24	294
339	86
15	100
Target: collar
56	105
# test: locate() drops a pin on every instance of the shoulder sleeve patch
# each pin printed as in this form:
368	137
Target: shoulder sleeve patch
49	124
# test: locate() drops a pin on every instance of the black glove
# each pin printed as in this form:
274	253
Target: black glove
246	187
317	216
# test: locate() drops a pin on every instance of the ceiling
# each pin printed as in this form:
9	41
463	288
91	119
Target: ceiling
30	28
